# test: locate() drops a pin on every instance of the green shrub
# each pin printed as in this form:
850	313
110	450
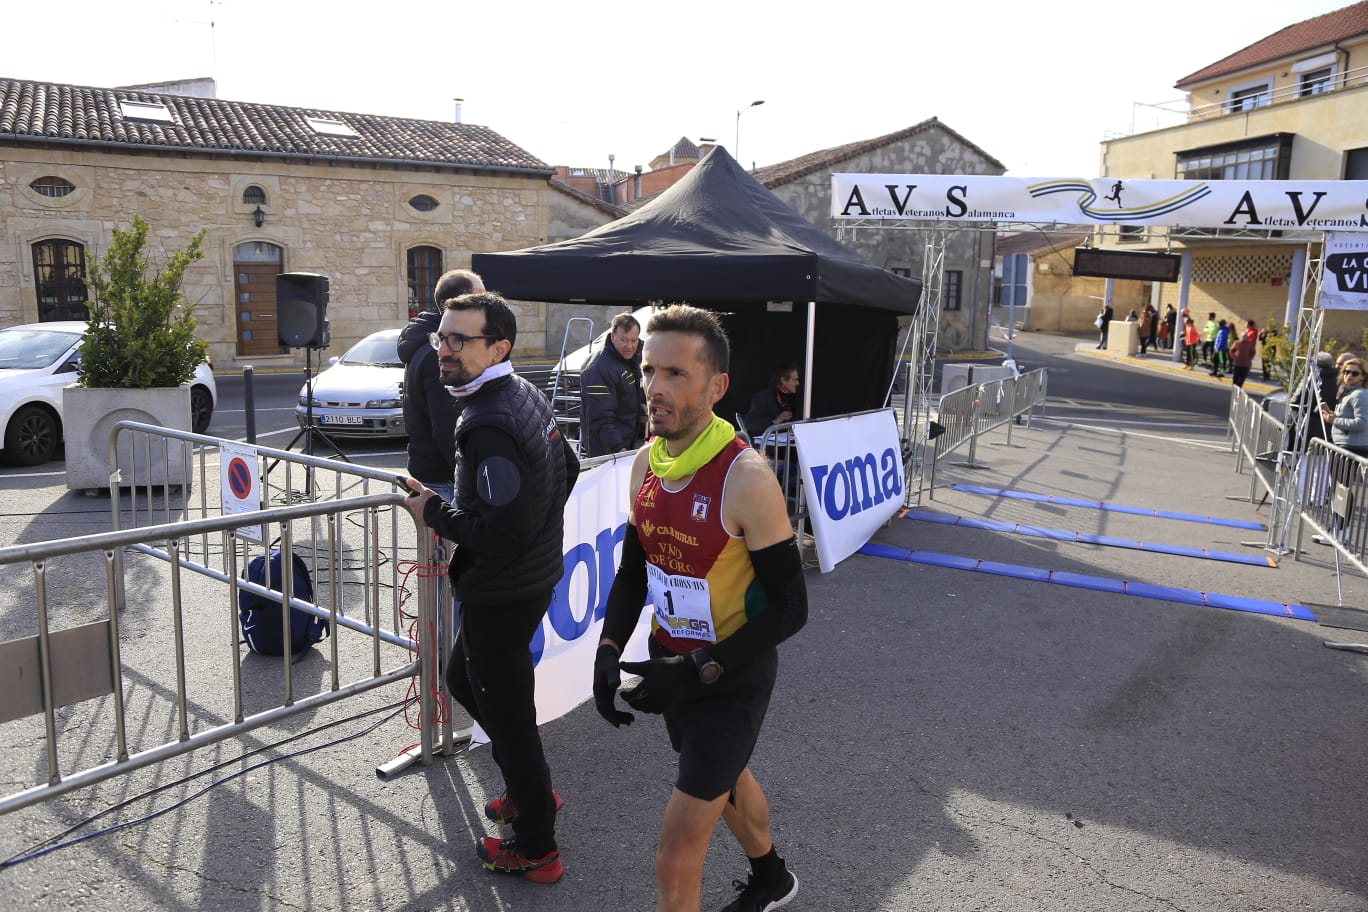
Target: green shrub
142	330
1278	351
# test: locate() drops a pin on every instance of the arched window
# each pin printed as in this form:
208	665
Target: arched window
423	203
59	271
254	196
53	186
424	268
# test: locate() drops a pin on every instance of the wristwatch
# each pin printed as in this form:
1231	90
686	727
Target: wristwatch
708	668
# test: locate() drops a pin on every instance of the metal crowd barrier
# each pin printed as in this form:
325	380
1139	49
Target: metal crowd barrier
1256	438
971	411
1334	501
1331	493
81	651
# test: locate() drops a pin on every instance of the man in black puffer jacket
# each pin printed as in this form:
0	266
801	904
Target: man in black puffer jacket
610	392
429	409
514	473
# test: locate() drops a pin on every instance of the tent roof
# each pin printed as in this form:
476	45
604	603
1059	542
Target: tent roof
716	237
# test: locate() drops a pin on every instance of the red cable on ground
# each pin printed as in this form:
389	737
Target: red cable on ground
442	713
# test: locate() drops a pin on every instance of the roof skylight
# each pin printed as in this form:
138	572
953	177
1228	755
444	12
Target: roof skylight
329	127
145	110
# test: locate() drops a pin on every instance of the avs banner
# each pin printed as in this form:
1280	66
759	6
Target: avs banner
852	478
1345	285
1309	205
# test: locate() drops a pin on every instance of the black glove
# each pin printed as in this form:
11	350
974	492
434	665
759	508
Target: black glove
663	682
607	679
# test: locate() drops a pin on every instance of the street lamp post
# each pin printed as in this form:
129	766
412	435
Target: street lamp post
736	147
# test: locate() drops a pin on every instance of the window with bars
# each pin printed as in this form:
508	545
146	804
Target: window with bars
950	288
424	268
423	203
254	196
53	186
59	270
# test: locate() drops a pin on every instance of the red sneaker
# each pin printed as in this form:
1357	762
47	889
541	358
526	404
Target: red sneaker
505	856
503	810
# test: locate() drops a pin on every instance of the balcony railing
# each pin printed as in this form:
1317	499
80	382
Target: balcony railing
1169	116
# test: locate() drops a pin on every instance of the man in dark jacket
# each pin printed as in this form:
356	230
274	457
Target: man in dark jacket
514	473
610	392
776	403
429	410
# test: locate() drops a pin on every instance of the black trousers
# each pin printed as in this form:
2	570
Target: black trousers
490	674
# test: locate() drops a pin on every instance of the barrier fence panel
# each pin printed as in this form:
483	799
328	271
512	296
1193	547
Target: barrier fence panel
153	643
285	477
973	410
1333	499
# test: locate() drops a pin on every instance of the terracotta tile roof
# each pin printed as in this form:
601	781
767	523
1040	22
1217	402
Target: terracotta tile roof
600	175
1310	34
58	114
773	176
684	149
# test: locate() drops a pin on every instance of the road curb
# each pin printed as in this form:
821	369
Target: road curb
1202	375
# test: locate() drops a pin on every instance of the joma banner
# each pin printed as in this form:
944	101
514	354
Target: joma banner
853	478
1311	205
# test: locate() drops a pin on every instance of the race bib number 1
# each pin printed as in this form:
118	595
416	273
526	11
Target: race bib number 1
682	604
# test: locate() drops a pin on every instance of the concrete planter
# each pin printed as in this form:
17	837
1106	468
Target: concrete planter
88	416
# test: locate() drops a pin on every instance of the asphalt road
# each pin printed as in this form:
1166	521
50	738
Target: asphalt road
943	737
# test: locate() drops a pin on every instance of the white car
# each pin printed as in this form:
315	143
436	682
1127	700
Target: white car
361	394
36	361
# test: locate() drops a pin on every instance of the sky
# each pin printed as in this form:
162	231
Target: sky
1037	87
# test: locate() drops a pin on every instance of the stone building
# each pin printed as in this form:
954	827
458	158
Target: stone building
930	147
380	205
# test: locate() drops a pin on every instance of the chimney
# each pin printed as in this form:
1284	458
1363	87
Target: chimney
636	184
458	109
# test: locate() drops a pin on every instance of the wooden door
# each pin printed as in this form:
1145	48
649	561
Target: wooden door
254	282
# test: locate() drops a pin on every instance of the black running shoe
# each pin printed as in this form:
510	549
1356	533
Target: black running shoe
760	898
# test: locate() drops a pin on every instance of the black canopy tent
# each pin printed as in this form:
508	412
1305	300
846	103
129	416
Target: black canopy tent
718	239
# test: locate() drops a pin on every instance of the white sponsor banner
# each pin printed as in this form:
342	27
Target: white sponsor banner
240	489
1345	286
852	477
563	647
1314	205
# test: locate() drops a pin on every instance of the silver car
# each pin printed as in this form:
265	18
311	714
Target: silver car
361	394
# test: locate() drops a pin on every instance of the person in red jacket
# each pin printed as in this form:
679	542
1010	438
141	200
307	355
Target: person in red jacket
1191	338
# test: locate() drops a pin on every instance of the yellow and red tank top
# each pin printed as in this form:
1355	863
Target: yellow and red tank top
702	584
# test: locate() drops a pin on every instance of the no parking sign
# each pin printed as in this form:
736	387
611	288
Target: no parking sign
240	469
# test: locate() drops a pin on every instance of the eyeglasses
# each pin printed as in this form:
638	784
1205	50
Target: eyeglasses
454	341
1349	373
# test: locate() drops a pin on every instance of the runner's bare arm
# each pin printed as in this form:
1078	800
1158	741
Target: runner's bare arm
754	504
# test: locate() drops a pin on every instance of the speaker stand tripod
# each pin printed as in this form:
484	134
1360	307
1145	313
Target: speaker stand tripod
308	431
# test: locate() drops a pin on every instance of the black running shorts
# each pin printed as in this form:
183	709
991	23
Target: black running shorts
714	730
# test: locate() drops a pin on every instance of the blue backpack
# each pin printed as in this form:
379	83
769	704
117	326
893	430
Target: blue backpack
260	617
